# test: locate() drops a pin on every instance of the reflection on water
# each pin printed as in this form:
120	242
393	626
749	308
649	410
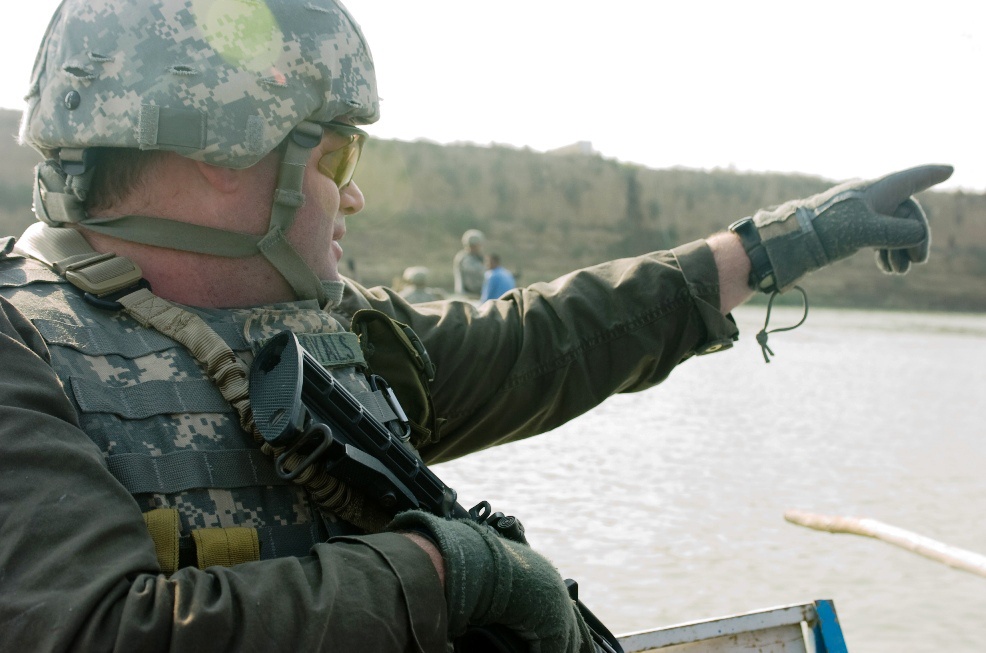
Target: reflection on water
667	505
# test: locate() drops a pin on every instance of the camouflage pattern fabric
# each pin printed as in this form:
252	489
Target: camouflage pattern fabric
221	81
142	398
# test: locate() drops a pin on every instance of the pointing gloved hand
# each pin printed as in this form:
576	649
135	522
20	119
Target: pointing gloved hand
804	235
492	580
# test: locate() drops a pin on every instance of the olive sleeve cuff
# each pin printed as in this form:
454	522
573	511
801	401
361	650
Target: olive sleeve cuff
701	274
424	596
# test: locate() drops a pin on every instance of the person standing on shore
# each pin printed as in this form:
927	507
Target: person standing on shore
468	265
497	280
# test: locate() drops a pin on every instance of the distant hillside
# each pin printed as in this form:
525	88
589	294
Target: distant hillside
547	214
16	167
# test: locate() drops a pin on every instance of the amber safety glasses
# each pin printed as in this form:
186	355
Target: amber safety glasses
340	164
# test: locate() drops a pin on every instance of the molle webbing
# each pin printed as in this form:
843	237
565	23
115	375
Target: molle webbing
148	398
96	342
178	471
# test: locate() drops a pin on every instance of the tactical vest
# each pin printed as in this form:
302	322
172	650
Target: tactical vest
166	431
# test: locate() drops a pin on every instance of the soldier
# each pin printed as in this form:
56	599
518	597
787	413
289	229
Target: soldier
469	265
198	177
416	290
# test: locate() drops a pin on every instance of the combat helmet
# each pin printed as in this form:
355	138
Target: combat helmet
416	275
473	237
219	81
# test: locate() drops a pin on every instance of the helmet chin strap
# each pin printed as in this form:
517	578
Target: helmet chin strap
57	205
288	199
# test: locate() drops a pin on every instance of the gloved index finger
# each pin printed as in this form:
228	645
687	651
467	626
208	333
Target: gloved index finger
887	193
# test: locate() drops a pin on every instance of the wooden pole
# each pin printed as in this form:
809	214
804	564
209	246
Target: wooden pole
925	546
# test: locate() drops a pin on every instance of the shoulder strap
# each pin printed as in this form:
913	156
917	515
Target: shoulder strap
66	252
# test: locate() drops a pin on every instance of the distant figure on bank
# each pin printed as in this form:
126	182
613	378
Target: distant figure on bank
468	266
497	280
416	290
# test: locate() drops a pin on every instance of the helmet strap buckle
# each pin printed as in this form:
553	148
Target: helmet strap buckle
78	165
307	134
75	161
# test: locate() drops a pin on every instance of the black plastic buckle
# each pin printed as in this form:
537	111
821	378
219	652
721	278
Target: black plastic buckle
109	301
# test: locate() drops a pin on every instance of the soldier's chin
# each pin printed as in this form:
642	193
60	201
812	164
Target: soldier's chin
330	273
327	267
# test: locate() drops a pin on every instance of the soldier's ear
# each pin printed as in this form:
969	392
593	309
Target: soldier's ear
225	180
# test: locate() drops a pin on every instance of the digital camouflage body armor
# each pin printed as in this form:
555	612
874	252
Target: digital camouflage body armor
168	434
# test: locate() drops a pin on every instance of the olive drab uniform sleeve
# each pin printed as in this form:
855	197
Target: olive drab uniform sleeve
512	368
78	568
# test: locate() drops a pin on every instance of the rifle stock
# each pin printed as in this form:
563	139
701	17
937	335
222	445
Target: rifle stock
297	404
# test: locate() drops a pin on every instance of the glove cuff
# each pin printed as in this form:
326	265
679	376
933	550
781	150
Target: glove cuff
792	244
471	565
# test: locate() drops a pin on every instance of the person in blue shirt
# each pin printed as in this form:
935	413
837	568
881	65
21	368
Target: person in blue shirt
497	280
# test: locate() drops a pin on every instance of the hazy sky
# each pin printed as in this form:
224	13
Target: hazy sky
838	88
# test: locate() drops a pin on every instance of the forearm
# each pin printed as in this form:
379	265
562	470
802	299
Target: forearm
734	270
433	554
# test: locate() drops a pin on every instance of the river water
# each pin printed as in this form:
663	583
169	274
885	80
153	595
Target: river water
667	505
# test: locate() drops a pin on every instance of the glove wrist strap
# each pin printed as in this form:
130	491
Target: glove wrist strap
761	270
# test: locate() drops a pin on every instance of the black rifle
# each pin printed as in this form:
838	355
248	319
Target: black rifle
298	405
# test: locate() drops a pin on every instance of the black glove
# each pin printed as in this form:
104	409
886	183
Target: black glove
804	235
492	580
